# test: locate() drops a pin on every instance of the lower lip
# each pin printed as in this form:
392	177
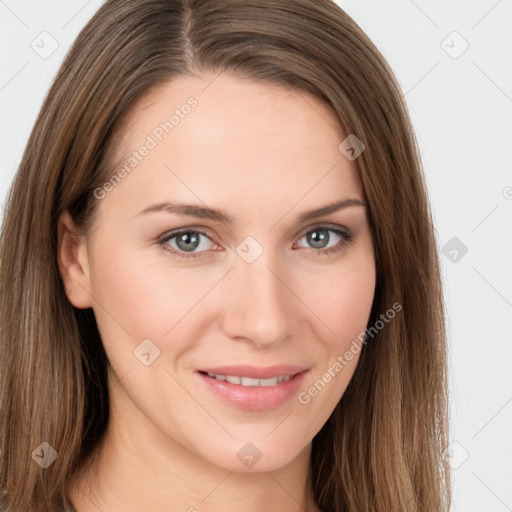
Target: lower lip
255	398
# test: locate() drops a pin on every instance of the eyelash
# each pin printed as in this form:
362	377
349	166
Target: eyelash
346	238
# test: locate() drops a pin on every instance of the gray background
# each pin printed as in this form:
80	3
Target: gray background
460	101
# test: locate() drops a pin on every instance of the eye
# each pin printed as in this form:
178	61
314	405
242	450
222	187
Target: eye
192	243
184	243
327	240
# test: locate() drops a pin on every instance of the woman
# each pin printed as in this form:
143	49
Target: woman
220	280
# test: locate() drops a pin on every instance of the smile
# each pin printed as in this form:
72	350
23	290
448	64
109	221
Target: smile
253	388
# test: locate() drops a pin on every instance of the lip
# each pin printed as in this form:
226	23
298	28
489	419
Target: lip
254	398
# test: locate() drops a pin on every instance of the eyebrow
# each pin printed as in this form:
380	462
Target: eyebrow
204	212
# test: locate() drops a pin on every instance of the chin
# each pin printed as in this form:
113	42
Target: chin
255	456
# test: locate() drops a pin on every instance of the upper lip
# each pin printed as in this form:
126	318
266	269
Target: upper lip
256	372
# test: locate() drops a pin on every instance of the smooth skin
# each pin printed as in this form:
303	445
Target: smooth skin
264	155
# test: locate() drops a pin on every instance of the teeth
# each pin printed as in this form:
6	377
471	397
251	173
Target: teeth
250	381
269	382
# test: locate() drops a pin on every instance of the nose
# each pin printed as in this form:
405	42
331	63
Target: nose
258	304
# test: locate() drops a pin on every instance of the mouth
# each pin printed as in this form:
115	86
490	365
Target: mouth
252	388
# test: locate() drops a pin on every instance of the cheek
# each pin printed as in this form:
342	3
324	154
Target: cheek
341	298
140	297
342	301
350	303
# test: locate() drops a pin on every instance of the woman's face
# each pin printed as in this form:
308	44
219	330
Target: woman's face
249	289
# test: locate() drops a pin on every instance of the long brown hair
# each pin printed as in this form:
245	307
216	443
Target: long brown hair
381	449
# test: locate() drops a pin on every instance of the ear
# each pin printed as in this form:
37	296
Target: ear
73	261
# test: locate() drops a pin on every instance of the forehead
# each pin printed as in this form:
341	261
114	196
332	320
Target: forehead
212	135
